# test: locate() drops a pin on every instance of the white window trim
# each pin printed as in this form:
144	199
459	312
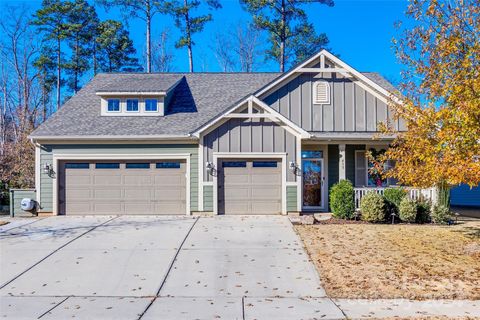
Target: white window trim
138	105
315	90
119	105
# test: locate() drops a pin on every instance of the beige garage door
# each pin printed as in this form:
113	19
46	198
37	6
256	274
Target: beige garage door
250	187
122	187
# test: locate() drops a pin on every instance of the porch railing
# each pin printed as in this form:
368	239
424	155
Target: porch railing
413	193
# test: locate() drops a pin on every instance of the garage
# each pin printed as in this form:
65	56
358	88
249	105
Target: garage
122	187
250	186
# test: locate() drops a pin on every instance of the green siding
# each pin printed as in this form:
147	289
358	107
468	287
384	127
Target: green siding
207	198
16	196
292	198
350	160
46	184
48	152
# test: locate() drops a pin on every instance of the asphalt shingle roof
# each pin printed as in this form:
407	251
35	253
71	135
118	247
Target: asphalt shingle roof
197	98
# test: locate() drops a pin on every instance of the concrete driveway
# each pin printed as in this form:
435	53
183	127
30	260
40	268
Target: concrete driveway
146	267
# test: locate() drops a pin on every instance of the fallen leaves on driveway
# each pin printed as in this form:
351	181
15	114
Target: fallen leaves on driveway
400	261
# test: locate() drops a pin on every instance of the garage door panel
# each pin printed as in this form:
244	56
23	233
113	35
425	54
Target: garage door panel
107	180
118	190
173	193
78	194
266	192
266	207
138	180
79	180
170	180
250	190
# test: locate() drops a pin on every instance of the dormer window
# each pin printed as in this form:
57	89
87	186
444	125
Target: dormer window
321	92
132	105
151	105
113	105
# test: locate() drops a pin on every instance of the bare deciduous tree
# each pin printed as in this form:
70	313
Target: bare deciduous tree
248	39
162	57
223	51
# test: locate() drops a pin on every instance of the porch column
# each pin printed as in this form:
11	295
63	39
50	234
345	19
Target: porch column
341	162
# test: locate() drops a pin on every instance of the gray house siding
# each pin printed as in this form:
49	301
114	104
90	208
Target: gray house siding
207	198
351	108
16	196
350	160
255	135
46	184
333	159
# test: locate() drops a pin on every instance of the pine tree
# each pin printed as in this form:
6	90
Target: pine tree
288	27
82	23
182	11
52	20
114	48
142	9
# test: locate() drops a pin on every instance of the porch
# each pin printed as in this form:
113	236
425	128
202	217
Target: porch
412	193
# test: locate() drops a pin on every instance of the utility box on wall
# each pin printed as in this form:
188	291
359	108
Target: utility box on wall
16	197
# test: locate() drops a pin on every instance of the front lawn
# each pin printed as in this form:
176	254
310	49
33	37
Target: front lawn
396	261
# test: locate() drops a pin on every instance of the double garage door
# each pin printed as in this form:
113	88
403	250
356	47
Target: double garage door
122	187
250	186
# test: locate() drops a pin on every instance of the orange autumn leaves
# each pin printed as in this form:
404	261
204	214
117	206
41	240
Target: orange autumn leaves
440	96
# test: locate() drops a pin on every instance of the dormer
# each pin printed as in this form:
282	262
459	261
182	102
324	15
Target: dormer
144	95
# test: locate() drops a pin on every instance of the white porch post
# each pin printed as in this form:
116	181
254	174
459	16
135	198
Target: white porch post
341	162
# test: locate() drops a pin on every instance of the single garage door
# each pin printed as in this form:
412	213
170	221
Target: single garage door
122	187
250	187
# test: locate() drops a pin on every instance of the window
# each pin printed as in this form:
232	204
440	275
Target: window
137	166
312	154
321	92
151	105
361	169
264	164
234	164
107	165
77	165
113	105
167	165
132	105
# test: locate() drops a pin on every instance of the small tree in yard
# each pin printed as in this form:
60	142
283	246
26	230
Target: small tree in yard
342	199
440	102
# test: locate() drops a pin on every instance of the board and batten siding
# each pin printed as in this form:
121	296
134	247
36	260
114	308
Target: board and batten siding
351	108
47	152
251	135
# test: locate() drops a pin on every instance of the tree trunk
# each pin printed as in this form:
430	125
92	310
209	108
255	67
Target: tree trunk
94	58
282	39
75	85
59	71
189	36
149	40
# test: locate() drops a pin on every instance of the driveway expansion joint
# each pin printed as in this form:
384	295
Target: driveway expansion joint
55	306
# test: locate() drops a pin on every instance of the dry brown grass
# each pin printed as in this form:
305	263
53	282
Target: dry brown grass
400	261
3	222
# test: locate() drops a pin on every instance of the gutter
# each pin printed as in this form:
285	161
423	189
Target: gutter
188	137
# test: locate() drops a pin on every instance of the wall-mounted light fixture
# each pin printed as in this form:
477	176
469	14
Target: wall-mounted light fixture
293	167
47	168
210	168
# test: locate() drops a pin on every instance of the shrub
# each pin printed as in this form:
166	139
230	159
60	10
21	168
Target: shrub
394	196
440	214
372	207
408	210
342	199
423	211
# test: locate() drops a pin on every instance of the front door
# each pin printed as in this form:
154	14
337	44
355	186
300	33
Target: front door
312	170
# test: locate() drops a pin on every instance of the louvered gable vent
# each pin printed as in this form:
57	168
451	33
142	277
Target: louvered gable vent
321	92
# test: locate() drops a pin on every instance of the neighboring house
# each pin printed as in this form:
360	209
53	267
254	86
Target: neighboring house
464	196
227	143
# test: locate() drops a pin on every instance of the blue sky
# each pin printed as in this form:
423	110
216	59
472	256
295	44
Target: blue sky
360	32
